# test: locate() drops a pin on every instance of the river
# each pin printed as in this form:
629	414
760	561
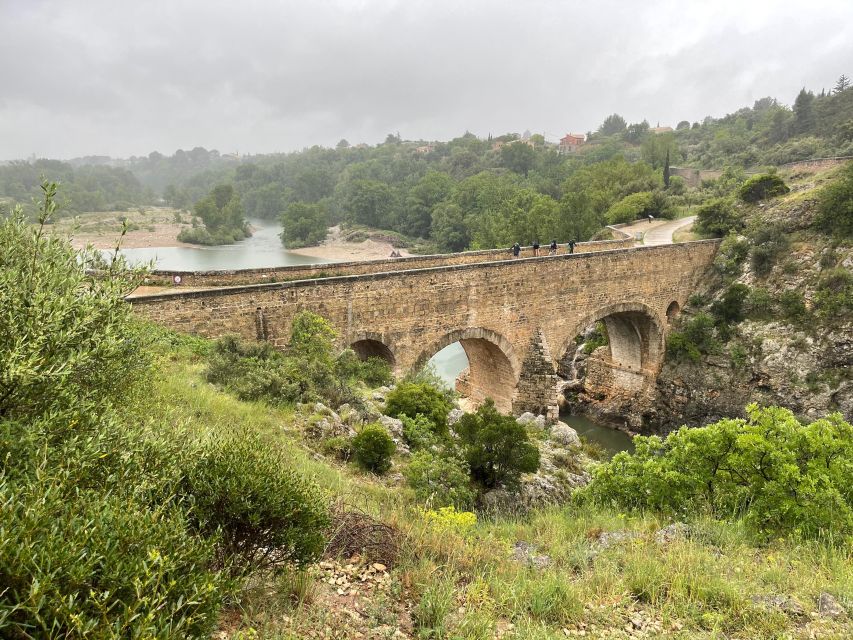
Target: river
264	249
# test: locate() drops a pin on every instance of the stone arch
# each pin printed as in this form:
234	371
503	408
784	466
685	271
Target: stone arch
493	367
635	332
367	345
672	311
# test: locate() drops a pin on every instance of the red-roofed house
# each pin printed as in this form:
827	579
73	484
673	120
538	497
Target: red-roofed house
571	141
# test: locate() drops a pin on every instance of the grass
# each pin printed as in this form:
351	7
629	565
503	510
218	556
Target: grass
466	585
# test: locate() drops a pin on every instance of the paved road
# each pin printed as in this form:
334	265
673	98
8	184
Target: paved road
659	231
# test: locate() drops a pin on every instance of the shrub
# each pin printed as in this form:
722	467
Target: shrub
760	304
640	205
496	447
792	305
834	295
440	480
372	449
413	398
100	565
451	519
761	187
695	338
729	308
768	243
261	512
718	217
67	340
781	476
835	206
419	432
374	371
254	371
732	253
598	339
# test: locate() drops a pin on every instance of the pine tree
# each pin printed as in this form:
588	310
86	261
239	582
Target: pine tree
804	118
666	171
842	84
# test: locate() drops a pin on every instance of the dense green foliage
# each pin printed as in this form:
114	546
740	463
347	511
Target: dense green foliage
307	371
440	480
695	337
718	217
783	477
419	398
496	447
304	224
372	448
420	432
110	530
640	205
263	514
84	188
222	214
835	212
762	186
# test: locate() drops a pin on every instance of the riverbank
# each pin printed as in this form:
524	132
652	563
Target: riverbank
336	248
148	227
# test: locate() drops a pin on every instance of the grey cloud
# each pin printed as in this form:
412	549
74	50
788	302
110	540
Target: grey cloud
120	78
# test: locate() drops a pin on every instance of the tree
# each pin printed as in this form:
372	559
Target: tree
342	144
304	224
804	117
842	84
612	125
636	132
518	157
666	171
369	202
433	188
682	126
496	447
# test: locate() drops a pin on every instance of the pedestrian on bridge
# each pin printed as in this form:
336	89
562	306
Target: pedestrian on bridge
535	247
651	217
570	248
553	249
516	250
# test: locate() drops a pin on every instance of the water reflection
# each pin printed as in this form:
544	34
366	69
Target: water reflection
263	249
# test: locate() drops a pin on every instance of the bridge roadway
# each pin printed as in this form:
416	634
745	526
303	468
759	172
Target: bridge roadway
516	319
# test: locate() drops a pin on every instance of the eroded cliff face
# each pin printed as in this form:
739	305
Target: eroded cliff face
786	340
794	345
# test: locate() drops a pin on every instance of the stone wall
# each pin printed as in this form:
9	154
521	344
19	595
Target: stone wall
192	279
515	319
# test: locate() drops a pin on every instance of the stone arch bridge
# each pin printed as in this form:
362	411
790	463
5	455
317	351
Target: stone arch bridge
516	319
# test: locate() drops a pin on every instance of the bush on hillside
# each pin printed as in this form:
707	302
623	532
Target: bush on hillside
420	432
640	205
372	449
733	251
695	338
93	542
496	447
254	371
730	307
835	206
100	565
718	217
262	514
834	295
440	480
781	476
413	398
373	371
768	243
761	187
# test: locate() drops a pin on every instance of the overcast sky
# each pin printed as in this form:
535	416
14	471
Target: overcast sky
122	77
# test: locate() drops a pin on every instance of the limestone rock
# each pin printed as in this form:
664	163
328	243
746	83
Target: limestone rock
454	416
323	410
607	539
785	604
395	428
525	553
829	607
671	533
564	435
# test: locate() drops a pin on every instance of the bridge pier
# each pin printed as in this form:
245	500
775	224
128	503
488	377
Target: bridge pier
536	390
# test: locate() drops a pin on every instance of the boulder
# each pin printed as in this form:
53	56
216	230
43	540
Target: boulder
323	410
563	435
395	428
525	553
671	533
829	607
